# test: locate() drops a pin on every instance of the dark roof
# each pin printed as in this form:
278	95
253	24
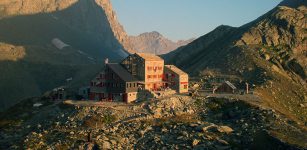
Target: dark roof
149	57
175	69
122	72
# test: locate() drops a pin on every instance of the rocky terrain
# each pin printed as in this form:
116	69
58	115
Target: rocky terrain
154	42
43	43
269	53
203	123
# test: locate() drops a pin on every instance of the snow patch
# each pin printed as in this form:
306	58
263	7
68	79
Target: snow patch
59	44
37	104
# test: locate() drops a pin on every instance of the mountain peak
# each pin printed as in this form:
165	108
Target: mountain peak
152	34
155	42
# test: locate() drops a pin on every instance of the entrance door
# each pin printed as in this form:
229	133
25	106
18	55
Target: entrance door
125	97
110	98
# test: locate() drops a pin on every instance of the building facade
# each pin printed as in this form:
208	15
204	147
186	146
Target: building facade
149	68
138	72
121	85
98	87
176	79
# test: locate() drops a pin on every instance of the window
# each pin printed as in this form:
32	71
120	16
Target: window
185	86
155	68
154	76
148	76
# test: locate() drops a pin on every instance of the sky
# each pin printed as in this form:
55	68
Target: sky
185	19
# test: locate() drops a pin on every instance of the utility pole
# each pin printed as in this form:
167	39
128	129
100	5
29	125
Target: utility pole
247	88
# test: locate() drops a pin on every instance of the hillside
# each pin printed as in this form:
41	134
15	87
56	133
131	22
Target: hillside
44	43
154	42
270	53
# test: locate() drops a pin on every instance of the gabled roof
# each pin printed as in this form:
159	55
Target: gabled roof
176	70
122	72
230	85
149	57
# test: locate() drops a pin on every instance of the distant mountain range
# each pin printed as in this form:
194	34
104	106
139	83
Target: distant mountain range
269	53
154	42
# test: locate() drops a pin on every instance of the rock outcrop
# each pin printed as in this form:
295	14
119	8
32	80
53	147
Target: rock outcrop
154	42
117	28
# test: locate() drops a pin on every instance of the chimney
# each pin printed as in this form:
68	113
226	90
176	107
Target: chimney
247	88
106	61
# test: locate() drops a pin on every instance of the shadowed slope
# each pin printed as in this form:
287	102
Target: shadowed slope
41	66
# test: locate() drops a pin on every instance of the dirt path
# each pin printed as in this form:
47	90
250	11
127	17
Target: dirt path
118	106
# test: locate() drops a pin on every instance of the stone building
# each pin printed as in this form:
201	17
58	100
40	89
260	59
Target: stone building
98	87
176	79
138	74
225	87
114	84
149	68
121	85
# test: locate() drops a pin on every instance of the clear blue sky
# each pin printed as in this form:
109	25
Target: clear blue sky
184	19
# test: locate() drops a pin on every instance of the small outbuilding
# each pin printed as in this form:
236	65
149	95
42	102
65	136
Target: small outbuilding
226	87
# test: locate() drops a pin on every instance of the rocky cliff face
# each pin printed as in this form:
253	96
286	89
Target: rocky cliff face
11	8
154	42
45	42
269	52
117	28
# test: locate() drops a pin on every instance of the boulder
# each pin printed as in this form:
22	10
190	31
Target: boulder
106	145
195	142
225	129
